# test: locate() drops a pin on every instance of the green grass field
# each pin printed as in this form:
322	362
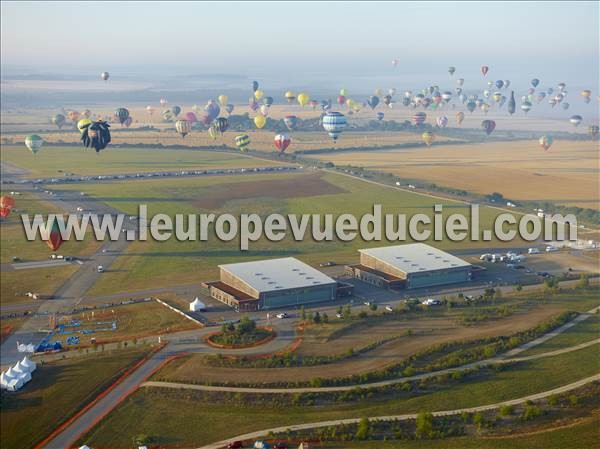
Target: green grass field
56	392
144	412
14	285
79	161
156	264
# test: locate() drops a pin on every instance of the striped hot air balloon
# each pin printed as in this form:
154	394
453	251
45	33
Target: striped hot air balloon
419	118
183	127
242	142
334	123
122	114
282	141
34	143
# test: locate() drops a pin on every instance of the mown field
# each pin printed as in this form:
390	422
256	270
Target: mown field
565	174
144	411
156	264
57	391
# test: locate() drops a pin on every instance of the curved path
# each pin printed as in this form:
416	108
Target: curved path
383	383
316	425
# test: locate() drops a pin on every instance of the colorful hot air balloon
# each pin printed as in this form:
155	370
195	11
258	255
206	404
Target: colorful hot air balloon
460	116
176	110
419	118
191	117
341	100
451	70
268	101
121	114
6	205
380	116
96	135
282	141
220	125
303	99
73	116
373	101
59	120
82	124
264	110
593	130
229	108
290	122
442	121
183	127
223	100
334	123
290	96
51	235
546	142
254	105
428	137
212	109
242	142
260	121
344	92
576	120
526	107
258	94
104	76
488	126
484	70
34	143
167	115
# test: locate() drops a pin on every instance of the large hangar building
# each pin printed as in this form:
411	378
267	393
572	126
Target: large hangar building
269	284
409	266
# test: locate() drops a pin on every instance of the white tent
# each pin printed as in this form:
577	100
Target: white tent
196	305
25	377
14	384
10	373
4	380
29	364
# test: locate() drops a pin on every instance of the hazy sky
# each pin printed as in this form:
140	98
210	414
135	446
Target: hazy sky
518	38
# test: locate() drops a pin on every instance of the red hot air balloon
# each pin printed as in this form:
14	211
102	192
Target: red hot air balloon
282	141
52	236
6	205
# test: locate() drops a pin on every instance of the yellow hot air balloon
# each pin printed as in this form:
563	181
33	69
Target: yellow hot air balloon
303	98
223	100
290	96
344	92
258	94
378	92
260	121
350	103
428	137
81	124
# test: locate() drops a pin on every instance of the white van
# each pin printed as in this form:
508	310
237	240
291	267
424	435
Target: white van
533	251
100	269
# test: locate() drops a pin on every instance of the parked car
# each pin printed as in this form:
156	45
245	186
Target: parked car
100	269
339	315
389	308
235	445
282	315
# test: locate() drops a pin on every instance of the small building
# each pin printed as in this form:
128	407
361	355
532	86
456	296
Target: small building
269	284
409	266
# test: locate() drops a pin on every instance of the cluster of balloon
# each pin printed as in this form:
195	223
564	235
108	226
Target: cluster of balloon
282	141
546	142
242	142
183	127
34	143
488	126
6	205
334	123
95	134
51	235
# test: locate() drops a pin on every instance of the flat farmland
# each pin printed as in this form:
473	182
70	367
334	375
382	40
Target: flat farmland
565	174
55	161
148	264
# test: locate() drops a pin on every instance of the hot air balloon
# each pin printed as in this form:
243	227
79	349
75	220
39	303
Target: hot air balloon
254	105
59	120
167	115
104	76
540	96
73	116
460	116
149	109
460	82
442	121
264	110
419	118
511	103
484	70
260	121
395	62
268	101
341	100
344	92
242	142
446	96
121	114
86	113
220	125
290	122
373	101
593	130
387	100
535	82
303	99
587	95
488	126
183	127
484	107
313	104
6	205
96	135
451	70
471	105
191	117
392	91
546	142
258	94
576	120
290	96
212	109
51	235
561	86
176	110
499	84
380	116
334	123
282	141
254	86
428	137
229	108
128	122
223	100
83	123
163	101
565	106
497	96
34	143
526	107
